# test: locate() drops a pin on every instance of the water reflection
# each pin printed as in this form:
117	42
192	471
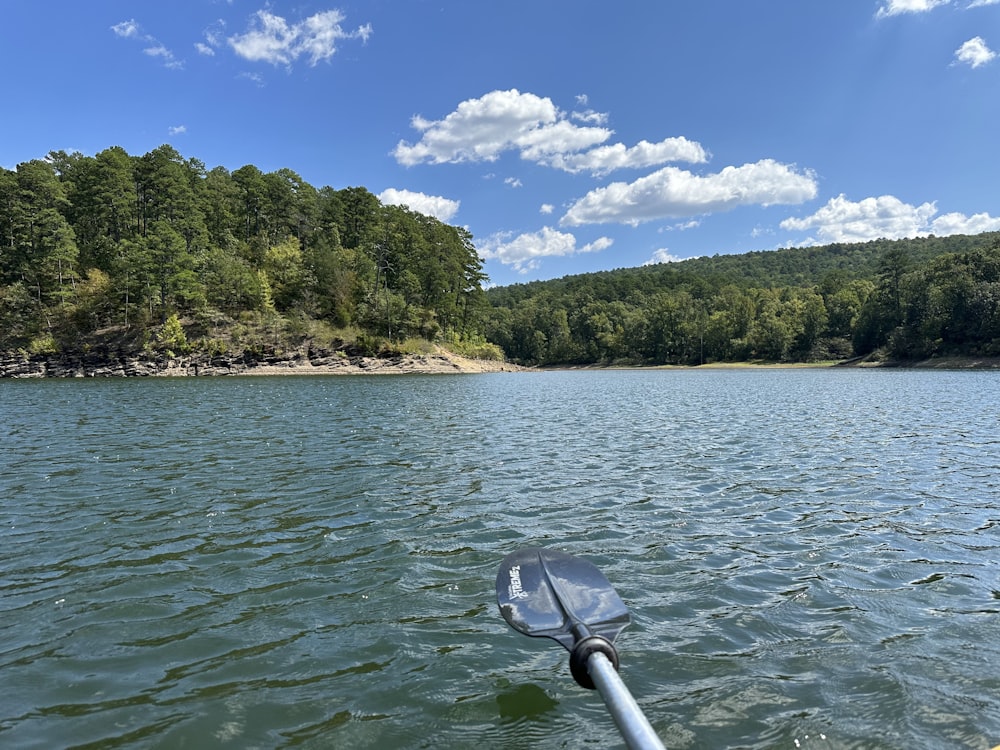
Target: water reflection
524	702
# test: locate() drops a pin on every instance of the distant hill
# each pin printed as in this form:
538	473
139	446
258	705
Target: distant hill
796	266
930	296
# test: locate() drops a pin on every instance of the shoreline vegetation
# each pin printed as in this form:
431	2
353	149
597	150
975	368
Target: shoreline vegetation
122	265
439	361
935	363
903	301
258	346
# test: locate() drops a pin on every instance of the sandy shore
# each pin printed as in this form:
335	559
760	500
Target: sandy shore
937	363
440	363
444	362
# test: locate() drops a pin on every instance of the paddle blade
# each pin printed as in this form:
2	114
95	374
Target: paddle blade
551	594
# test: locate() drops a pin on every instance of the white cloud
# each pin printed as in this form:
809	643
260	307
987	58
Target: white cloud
982	3
605	159
898	7
885	217
164	54
254	78
675	193
601	243
548	142
130	30
213	39
482	129
525	251
513	182
126	29
663	255
956	223
442	209
975	52
591	117
681	226
546	208
273	40
177	130
842	220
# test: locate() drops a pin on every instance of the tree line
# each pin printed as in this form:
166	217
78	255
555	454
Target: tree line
159	251
149	243
905	299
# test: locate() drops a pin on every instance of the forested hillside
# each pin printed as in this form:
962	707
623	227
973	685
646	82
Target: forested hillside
157	251
905	299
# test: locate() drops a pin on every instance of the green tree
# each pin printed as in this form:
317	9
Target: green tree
103	202
221	205
252	191
844	306
9	205
286	273
291	206
44	251
359	222
95	301
770	335
19	321
231	284
808	320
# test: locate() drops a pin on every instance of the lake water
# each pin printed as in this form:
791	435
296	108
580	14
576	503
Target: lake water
811	558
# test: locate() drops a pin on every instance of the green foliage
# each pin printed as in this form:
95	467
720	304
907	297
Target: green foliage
947	307
19	320
126	247
120	241
171	336
43	344
914	298
414	346
476	347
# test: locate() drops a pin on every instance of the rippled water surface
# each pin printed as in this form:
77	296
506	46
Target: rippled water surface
811	558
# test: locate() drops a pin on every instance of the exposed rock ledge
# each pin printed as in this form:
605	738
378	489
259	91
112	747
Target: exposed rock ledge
93	365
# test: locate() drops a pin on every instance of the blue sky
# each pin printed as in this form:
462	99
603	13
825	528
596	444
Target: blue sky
566	135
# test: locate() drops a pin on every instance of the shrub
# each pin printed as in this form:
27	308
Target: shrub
43	345
171	336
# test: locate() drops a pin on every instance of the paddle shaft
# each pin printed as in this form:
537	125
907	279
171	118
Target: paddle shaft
632	723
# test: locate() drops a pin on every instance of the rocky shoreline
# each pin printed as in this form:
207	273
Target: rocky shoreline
119	365
106	365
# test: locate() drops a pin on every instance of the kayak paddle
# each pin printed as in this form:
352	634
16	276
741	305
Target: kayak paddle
550	594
